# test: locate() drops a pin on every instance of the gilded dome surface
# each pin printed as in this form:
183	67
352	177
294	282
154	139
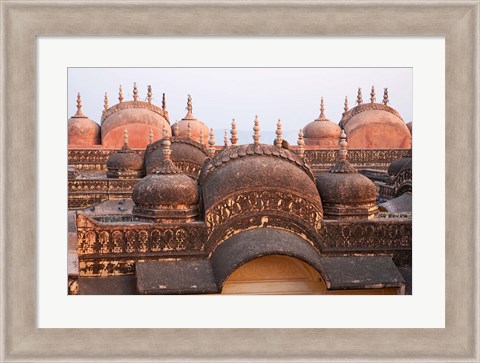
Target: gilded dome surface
375	125
82	130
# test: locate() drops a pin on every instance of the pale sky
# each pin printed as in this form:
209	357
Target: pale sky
220	94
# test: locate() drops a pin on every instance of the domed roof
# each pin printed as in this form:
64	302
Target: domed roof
188	155
139	117
190	127
322	131
410	126
167	194
344	192
125	163
81	129
398	165
375	125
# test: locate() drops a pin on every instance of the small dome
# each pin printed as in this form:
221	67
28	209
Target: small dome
375	125
191	127
139	117
125	163
188	155
322	132
82	131
344	192
166	195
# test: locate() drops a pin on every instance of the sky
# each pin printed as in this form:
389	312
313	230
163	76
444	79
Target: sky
220	94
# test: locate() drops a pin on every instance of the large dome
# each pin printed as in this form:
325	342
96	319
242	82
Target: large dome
191	127
375	126
322	132
81	130
345	193
258	185
143	120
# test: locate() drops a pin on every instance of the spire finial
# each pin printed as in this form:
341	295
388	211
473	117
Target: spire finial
256	131
164	102
279	133
359	97
342	154
189	130
149	94
322	109
135	91
166	144
385	96
211	142
233	132
125	136
225	139
79	113
345	105
200	139
176	129
189	104
120	94
150	136
372	95
301	144
105	102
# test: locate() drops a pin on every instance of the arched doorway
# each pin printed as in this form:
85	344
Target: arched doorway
274	274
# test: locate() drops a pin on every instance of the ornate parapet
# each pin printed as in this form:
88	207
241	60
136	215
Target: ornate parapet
92	159
109	248
83	193
380	159
390	235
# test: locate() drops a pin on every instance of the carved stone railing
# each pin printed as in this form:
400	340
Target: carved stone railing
319	160
83	193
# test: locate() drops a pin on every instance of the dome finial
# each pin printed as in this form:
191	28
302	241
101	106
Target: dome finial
279	133
120	94
149	94
342	154
322	109
166	166
189	130
233	132
189	104
150	136
211	142
301	144
79	113
105	102
372	95
135	91
359	97
345	105
225	139
200	139
176	129
385	96
164	102
256	131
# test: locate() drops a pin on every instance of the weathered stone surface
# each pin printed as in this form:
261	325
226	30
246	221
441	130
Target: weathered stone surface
188	276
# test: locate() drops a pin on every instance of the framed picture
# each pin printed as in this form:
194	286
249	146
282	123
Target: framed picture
28	337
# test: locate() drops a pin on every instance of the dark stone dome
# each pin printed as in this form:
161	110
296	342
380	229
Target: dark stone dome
398	165
187	155
125	163
345	193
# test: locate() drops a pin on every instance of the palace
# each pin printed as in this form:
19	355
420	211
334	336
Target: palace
156	208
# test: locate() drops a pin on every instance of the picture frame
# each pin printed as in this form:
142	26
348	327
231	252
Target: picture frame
23	21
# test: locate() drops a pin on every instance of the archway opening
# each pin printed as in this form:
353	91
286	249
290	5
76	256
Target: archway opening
275	275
